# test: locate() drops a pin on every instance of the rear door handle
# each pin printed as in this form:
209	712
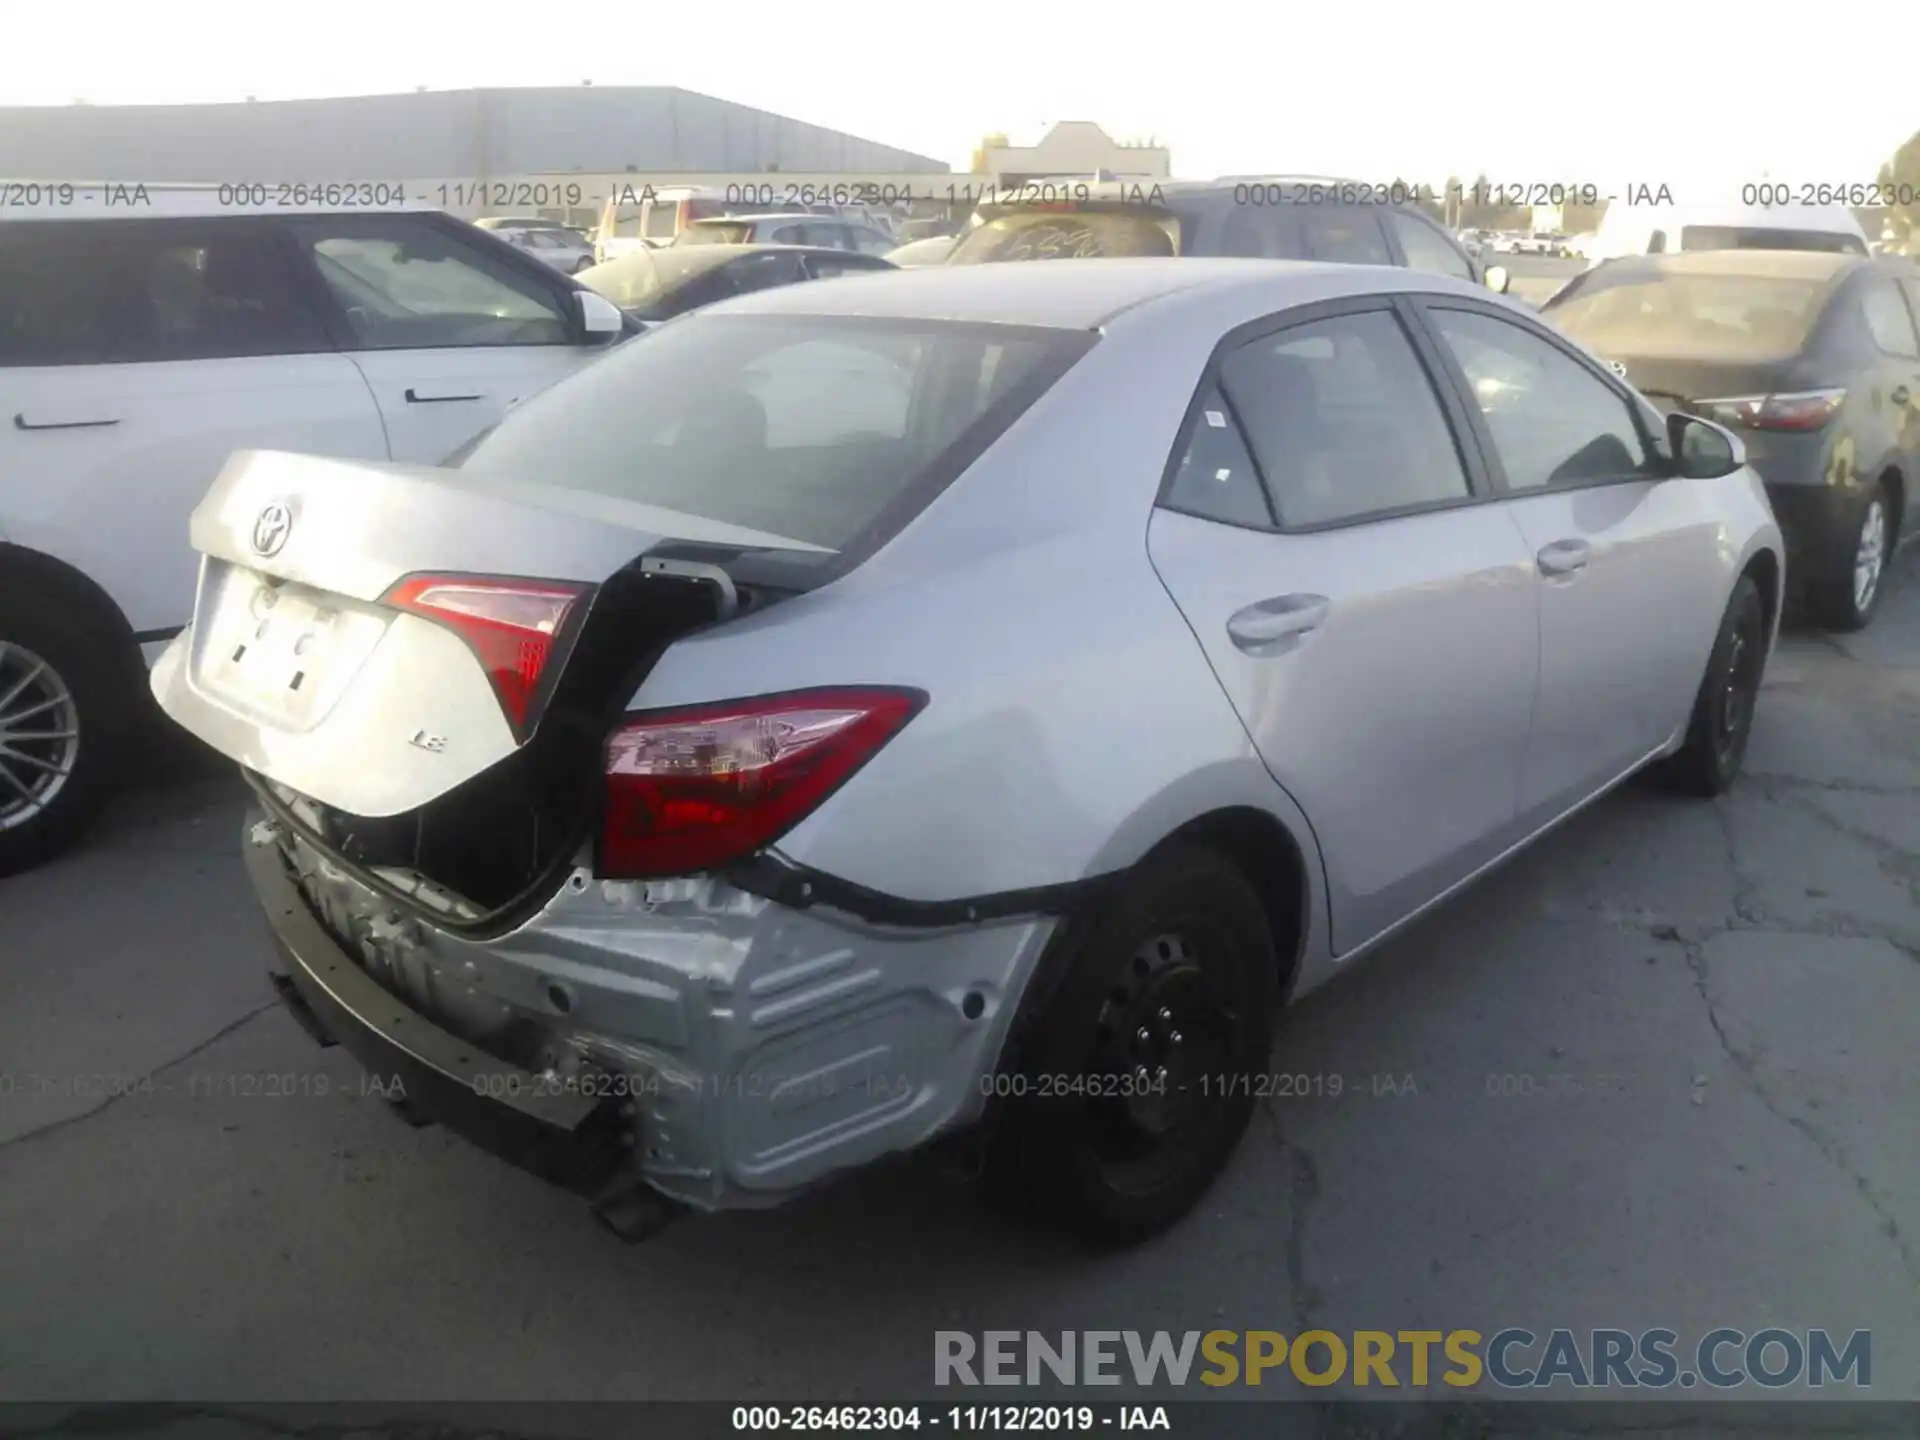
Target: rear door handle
1564	557
1265	627
419	397
1901	395
21	422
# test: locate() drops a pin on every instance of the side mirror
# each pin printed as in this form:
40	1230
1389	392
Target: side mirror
599	316
1497	279
1703	450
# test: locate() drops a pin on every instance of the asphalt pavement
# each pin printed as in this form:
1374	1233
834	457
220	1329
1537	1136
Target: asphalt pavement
1658	1072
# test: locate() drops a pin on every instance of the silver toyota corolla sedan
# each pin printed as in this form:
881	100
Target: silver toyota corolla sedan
952	704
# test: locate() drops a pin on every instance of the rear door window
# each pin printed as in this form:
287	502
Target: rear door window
1349	234
128	291
1344	420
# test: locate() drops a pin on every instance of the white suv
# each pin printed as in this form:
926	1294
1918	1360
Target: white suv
143	343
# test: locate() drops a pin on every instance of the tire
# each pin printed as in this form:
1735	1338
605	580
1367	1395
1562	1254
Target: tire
1177	971
1708	763
57	674
1855	576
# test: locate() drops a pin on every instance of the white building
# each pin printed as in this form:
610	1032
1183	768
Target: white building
1076	147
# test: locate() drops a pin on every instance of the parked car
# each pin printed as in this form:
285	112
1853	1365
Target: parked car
1257	218
565	250
514	222
1813	359
927	227
656	285
1659	229
138	350
933	250
830	232
634	219
737	768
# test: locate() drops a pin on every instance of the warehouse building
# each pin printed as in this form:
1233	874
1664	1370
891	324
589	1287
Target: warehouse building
559	151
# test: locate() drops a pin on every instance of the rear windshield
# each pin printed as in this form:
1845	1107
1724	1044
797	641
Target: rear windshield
1067	235
827	429
1753	237
1642	312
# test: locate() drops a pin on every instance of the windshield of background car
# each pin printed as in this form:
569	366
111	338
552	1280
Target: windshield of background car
1646	312
834	430
1751	237
1041	234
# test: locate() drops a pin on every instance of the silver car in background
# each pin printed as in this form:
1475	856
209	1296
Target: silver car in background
567	251
961	703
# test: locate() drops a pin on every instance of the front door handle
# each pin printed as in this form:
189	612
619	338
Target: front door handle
1564	557
1901	395
416	397
21	422
1266	626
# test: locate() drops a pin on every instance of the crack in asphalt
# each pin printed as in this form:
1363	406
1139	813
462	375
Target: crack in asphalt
1692	943
67	1122
1303	1194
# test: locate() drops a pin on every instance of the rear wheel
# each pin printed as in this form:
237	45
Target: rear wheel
1133	1085
1849	593
1723	708
64	707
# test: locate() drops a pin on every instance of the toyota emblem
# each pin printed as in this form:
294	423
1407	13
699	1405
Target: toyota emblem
270	531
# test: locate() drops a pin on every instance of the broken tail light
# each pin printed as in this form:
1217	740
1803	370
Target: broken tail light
518	630
690	789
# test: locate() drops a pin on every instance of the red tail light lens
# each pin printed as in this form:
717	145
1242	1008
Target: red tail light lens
513	627
1803	411
691	789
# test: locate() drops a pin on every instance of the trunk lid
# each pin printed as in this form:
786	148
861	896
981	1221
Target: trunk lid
1675	382
294	668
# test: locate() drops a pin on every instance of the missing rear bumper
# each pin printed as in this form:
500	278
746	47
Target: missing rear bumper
572	1140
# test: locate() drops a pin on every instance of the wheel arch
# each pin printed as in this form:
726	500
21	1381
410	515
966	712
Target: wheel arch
1274	863
1765	568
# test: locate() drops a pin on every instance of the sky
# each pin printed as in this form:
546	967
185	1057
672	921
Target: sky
1620	92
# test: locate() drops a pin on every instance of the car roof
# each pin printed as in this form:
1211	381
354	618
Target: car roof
1074	294
1784	264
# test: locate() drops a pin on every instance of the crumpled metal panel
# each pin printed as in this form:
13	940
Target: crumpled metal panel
761	1048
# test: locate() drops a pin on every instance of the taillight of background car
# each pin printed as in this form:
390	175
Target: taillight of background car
1804	410
689	789
517	629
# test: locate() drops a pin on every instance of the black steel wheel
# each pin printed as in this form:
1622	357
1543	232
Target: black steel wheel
1722	721
1132	1086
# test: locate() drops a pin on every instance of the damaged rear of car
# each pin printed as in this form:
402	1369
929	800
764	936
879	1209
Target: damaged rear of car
501	874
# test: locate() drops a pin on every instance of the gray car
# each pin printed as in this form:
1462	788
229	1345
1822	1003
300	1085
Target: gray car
1813	359
962	703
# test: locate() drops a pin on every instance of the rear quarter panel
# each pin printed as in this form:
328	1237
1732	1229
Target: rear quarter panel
1073	721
